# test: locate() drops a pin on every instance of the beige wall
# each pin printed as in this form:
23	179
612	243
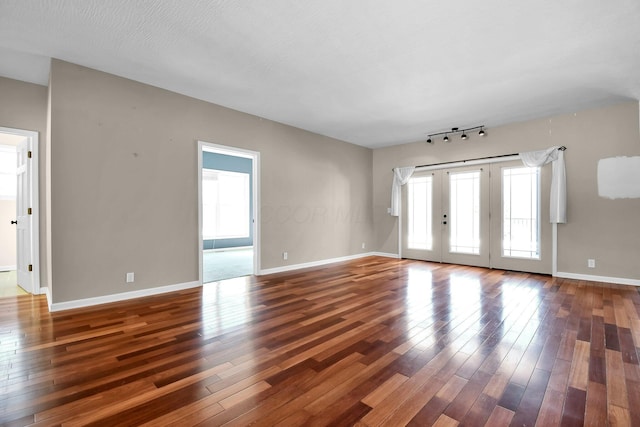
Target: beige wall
124	191
24	106
123	180
603	229
7	233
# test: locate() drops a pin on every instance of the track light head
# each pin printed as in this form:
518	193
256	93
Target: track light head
446	138
481	133
463	136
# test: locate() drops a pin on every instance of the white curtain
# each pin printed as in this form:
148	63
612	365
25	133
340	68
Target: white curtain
400	177
558	205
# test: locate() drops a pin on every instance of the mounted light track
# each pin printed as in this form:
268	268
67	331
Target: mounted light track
454	131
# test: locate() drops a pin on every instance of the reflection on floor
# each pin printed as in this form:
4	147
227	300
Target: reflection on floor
374	341
8	284
221	265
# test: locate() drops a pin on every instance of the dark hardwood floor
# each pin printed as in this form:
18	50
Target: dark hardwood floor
370	342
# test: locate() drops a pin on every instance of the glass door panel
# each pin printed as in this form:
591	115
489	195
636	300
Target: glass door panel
421	232
464	212
420	213
520	212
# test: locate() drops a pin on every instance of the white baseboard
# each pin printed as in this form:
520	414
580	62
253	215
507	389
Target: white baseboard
8	267
234	248
592	278
322	262
384	254
47	291
87	302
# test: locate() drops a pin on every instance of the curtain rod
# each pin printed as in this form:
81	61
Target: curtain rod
562	148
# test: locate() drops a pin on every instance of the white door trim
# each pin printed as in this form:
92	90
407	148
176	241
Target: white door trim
204	146
33	139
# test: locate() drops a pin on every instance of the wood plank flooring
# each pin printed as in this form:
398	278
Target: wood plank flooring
372	342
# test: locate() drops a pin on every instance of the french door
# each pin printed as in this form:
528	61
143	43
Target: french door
486	215
421	217
446	216
520	228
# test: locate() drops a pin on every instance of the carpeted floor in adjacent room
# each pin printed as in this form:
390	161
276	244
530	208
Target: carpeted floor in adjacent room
221	265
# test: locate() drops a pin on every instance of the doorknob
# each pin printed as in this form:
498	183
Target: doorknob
14	222
444	222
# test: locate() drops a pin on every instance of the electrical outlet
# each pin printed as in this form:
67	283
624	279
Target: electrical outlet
130	278
285	255
362	245
591	263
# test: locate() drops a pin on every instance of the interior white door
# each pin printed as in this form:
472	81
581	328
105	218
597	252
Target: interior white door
24	218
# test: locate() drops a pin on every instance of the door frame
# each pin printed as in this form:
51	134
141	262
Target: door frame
446	165
210	147
33	176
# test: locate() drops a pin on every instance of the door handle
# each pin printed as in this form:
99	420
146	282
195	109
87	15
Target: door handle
444	222
14	222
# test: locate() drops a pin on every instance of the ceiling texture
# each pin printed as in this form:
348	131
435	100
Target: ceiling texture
370	72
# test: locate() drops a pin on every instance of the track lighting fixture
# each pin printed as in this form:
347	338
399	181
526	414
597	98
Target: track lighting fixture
463	133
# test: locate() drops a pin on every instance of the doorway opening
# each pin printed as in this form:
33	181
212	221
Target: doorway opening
19	212
228	200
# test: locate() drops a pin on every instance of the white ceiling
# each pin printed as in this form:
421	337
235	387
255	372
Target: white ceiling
371	72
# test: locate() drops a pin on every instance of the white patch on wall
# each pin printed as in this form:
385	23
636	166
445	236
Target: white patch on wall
619	177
